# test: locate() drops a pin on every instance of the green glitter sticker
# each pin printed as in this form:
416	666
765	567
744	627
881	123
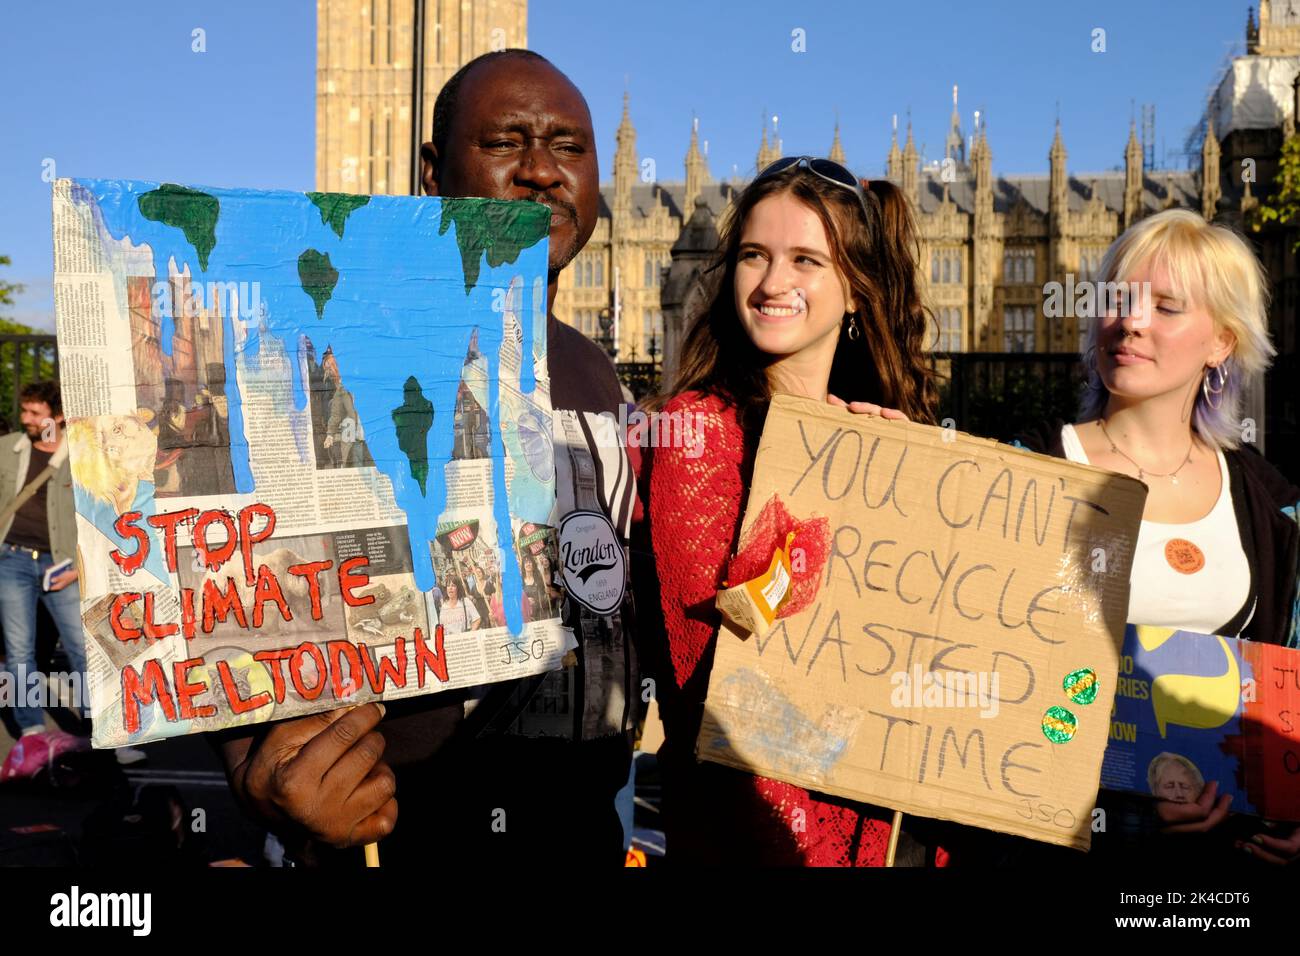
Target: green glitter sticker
1081	685
1059	725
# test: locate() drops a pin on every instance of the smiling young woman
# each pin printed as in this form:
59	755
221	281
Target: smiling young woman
1217	548
814	296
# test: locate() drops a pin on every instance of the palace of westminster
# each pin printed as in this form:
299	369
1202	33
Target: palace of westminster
989	242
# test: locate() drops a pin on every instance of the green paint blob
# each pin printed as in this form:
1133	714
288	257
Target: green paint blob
1081	685
318	278
500	229
1059	725
413	419
336	207
192	212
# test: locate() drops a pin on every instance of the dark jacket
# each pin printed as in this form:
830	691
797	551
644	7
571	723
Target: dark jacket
1265	502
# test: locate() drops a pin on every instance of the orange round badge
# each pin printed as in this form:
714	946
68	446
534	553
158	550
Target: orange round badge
1183	556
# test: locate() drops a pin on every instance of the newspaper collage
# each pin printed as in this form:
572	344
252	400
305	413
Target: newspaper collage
311	450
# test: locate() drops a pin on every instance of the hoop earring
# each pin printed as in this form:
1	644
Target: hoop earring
852	330
1207	390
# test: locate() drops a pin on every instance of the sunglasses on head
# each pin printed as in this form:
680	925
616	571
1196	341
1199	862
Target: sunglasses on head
826	169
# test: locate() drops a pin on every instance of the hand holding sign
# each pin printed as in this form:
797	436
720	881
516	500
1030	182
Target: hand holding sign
323	774
867	408
1273	849
1200	816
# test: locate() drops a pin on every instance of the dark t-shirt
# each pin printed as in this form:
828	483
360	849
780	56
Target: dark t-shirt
538	761
31	527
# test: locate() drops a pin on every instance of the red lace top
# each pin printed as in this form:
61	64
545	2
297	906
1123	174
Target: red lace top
714	813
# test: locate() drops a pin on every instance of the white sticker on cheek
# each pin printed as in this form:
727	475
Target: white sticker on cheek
800	299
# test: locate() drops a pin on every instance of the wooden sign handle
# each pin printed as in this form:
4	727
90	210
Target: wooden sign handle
895	828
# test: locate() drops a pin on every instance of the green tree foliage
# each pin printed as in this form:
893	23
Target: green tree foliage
8	289
14	358
1283	204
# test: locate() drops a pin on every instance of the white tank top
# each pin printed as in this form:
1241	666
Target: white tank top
1192	576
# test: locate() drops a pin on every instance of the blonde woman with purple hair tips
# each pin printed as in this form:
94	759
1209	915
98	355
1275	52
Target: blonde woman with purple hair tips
1180	341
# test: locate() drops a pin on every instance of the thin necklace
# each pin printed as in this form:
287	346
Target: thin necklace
1142	472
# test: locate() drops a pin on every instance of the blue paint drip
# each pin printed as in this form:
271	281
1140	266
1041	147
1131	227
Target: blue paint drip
119	202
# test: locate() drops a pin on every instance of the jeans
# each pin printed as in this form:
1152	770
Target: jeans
625	801
20	588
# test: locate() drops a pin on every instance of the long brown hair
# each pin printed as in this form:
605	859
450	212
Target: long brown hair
886	364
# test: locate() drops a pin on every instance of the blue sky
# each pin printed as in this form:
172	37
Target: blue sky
114	89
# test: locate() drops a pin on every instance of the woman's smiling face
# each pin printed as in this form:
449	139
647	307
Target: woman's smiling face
789	295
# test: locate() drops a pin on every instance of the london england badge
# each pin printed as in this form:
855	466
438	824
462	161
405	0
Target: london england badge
592	560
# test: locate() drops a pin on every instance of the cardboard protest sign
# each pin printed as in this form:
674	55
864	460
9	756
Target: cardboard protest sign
306	432
947	641
1194	708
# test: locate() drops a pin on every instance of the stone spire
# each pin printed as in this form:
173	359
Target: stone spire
982	159
910	177
1058	191
1132	177
894	165
624	165
697	170
1061	255
837	150
984	240
954	147
1210	192
769	154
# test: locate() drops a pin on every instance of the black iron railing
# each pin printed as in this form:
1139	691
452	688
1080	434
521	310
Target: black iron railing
641	378
1001	394
23	359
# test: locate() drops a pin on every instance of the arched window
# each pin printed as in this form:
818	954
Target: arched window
1018	329
934	266
600	270
954	330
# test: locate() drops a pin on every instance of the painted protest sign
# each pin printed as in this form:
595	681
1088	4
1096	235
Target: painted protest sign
306	431
948	639
1195	708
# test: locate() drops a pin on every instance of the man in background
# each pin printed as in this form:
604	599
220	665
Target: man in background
39	531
